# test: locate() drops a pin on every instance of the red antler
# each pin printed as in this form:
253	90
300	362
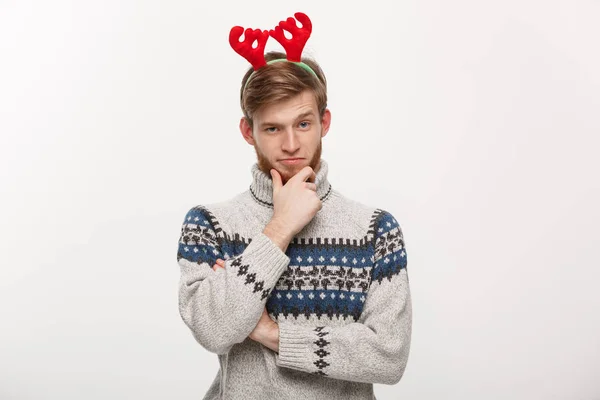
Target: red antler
256	56
293	47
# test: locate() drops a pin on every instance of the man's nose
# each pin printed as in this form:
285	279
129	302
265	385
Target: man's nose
290	142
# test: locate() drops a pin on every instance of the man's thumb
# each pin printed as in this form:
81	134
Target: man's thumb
276	179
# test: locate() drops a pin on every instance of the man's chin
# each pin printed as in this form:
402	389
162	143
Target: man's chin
287	171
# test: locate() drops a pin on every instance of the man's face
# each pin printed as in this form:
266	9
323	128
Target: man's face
289	129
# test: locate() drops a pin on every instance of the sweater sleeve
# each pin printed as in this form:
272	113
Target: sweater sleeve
222	307
375	348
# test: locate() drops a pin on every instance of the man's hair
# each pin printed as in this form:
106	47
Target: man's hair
281	81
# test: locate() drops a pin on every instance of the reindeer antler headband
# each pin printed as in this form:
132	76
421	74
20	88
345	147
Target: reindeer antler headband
293	47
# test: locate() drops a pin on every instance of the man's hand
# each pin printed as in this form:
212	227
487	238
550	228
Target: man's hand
296	203
266	331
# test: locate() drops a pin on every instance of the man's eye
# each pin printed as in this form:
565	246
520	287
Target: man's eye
304	124
271	129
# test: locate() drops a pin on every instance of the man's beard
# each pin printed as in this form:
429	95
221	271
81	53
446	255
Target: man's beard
265	165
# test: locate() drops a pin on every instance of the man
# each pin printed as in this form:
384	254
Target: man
301	291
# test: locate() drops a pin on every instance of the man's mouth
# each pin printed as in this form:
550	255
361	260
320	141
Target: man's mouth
291	161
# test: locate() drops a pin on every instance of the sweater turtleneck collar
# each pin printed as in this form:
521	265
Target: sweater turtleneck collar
261	187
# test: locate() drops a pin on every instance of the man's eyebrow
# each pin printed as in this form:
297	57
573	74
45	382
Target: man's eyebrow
269	124
309	113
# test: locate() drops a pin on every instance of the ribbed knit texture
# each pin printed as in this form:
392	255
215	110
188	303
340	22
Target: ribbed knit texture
340	295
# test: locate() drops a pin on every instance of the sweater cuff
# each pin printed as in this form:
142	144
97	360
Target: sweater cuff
272	259
295	350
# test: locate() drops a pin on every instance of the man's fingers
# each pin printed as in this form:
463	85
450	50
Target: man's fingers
276	180
311	186
306	173
220	263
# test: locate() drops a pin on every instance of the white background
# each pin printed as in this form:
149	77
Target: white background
474	123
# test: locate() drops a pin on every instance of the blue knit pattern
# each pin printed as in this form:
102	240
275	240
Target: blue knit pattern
326	277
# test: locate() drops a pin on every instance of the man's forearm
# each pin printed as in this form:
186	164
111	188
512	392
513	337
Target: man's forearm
281	236
268	335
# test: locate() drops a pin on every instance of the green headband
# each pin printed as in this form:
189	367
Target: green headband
299	63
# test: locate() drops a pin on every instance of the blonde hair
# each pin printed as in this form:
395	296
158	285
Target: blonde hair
281	81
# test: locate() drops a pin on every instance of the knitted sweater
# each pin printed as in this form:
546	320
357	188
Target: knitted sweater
339	294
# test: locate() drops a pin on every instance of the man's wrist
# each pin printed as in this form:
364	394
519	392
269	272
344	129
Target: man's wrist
275	231
270	337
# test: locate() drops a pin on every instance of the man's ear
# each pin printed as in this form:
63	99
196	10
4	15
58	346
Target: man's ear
246	131
325	122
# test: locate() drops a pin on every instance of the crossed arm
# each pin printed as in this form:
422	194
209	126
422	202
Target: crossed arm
375	348
266	331
226	305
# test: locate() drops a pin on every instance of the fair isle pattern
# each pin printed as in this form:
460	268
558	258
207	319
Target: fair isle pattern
390	255
390	259
321	342
326	277
198	243
200	223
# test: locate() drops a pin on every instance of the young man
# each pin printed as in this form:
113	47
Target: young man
301	291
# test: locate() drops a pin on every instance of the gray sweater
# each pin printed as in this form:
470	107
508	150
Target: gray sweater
339	294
